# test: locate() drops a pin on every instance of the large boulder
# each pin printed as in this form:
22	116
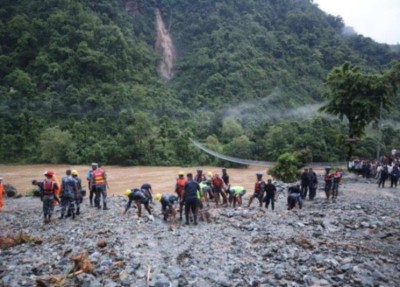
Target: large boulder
10	190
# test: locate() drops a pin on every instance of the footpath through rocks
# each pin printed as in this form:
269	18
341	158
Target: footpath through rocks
353	242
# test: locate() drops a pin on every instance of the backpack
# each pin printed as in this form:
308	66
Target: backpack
48	187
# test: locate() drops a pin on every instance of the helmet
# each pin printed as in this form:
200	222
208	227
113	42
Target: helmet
1	178
259	174
327	167
181	173
74	172
49	173
158	196
199	169
127	192
209	174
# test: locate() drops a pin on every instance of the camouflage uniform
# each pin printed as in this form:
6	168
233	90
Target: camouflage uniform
69	188
78	194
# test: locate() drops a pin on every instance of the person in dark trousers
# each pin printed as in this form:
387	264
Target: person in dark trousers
294	197
394	176
139	197
328	178
168	203
304	183
312	184
191	190
148	190
270	191
225	177
383	176
259	189
91	185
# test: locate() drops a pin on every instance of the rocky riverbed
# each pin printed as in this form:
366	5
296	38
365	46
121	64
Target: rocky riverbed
353	242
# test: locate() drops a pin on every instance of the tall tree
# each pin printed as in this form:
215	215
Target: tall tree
358	97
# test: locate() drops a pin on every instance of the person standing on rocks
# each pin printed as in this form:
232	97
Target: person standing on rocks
179	190
312	184
258	190
69	189
91	185
2	194
394	176
100	183
205	188
304	183
328	178
79	194
225	177
383	175
337	178
270	191
199	177
190	196
139	197
48	189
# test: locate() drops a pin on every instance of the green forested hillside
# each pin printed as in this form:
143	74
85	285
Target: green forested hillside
79	80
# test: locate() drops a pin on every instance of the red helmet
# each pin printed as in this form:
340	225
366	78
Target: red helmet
49	173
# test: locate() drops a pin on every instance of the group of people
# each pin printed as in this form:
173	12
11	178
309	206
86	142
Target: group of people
69	193
192	193
195	192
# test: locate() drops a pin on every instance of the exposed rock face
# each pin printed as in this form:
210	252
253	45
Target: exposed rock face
166	48
132	6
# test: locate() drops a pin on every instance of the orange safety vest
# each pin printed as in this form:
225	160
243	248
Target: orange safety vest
217	182
180	185
48	187
257	188
1	194
99	177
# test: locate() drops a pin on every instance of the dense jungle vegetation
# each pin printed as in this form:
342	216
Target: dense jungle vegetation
79	81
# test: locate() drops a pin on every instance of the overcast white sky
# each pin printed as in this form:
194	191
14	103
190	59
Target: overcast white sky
377	19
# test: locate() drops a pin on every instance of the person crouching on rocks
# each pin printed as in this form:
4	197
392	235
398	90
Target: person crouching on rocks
48	189
235	195
69	189
139	197
168	203
294	197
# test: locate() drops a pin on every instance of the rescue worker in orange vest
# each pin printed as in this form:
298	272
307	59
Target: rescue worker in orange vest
100	183
258	189
48	195
57	192
179	189
2	193
217	186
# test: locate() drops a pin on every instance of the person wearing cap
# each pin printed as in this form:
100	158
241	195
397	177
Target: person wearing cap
139	197
312	184
235	195
80	193
190	196
2	194
259	188
69	189
168	203
199	177
48	189
179	189
270	191
328	179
